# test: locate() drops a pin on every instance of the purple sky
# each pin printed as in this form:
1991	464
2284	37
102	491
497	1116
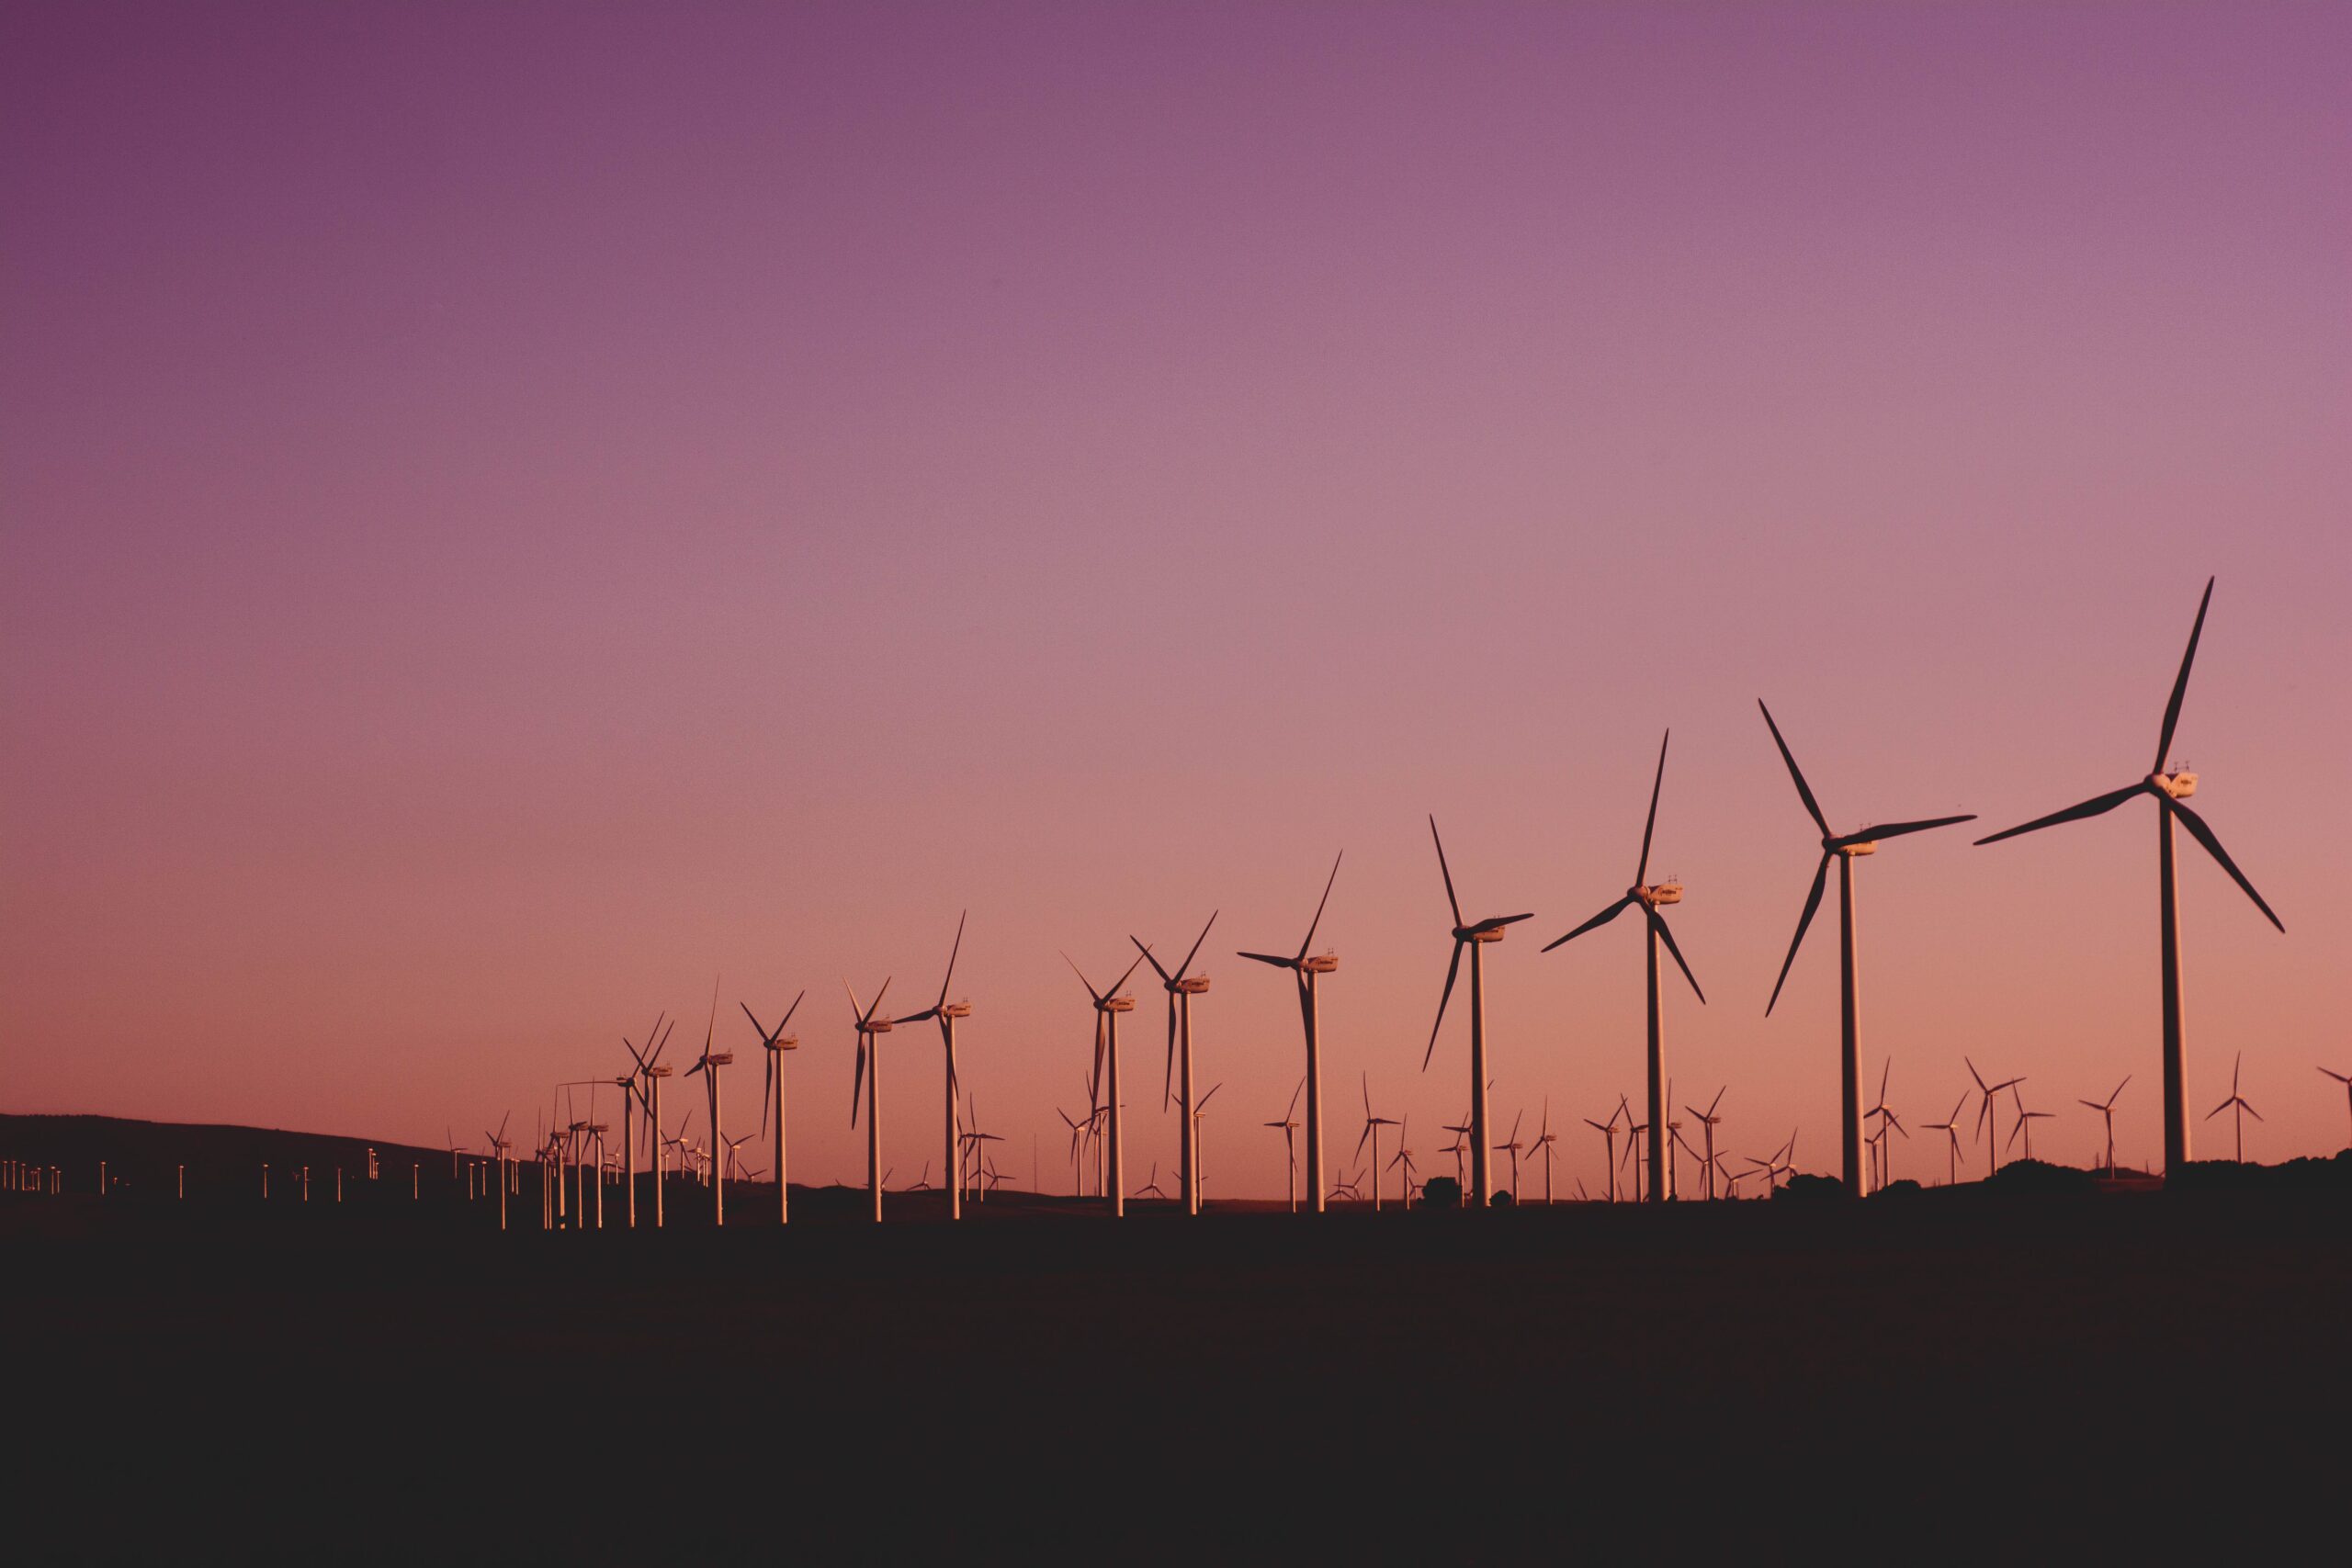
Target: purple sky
509	511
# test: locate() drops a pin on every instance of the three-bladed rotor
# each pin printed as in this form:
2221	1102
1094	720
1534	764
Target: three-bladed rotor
1465	932
1651	897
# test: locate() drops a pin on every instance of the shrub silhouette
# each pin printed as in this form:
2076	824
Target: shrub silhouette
1805	1189
1441	1192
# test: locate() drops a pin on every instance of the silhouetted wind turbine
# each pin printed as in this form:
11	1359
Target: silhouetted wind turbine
868	1077
1709	1120
1511	1146
1289	1125
632	1087
1651	899
2236	1101
1985	1113
1950	1128
2171	790
1303	973
2105	1108
498	1147
1200	1147
1888	1122
2345	1079
708	1065
1372	1127
1545	1139
1182	987
1474	936
773	1043
2025	1122
1843	848
946	1013
1403	1156
1108	1006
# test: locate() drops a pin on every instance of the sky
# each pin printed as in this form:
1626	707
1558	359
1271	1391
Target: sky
511	513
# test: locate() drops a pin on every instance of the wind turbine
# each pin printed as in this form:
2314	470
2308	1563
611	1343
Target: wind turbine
708	1065
1513	1145
1651	899
1709	1120
1474	936
1289	1125
2105	1108
1950	1128
1152	1186
1545	1139
868	1072
1404	1157
946	1013
1985	1113
1607	1131
1200	1155
498	1147
775	1042
2171	790
1372	1127
1182	987
1888	1122
1844	849
1108	1006
2235	1101
2026	1119
632	1087
1303	973
2344	1079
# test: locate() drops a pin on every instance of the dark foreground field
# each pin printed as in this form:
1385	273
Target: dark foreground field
1975	1373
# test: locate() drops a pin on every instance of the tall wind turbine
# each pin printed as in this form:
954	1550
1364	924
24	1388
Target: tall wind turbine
773	1043
1182	987
1844	849
869	1077
2236	1101
946	1013
1303	973
708	1065
2171	791
2105	1108
1474	936
1651	899
1108	1006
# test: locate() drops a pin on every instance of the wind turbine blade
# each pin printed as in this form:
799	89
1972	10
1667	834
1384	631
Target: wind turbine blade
857	1081
1186	968
1812	903
1081	976
1659	921
757	1027
1318	908
1452	902
949	978
1452	970
1295	1093
1898	830
2180	681
1601	919
856	1011
1641	873
788	1012
654	1060
2204	835
1804	792
876	1006
1168	1079
1131	969
1166	978
2095	807
1279	962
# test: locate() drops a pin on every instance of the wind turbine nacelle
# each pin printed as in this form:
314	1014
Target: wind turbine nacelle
1322	964
878	1026
1865	848
2180	785
789	1042
657	1072
1192	985
956	1010
1666	893
1120	1004
1489	933
721	1058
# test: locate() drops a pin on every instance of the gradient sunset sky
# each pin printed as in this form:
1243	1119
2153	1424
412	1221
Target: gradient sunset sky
510	512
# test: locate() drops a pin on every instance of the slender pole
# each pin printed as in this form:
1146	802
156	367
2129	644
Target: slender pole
1118	1169
1314	1102
1481	1189
655	1111
954	1161
718	1156
1656	1129
783	1186
874	1124
2175	1050
1850	1058
1188	1153
629	1165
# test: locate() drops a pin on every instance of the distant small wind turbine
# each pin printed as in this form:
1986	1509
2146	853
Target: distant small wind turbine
2171	790
1200	1147
708	1065
2105	1108
2235	1102
1182	986
1986	1114
1474	935
2026	1119
1151	1186
1950	1128
1511	1146
1607	1131
1545	1139
1108	1006
868	1077
1709	1120
1404	1159
1888	1123
1289	1125
1372	1127
1651	899
1303	973
773	1043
